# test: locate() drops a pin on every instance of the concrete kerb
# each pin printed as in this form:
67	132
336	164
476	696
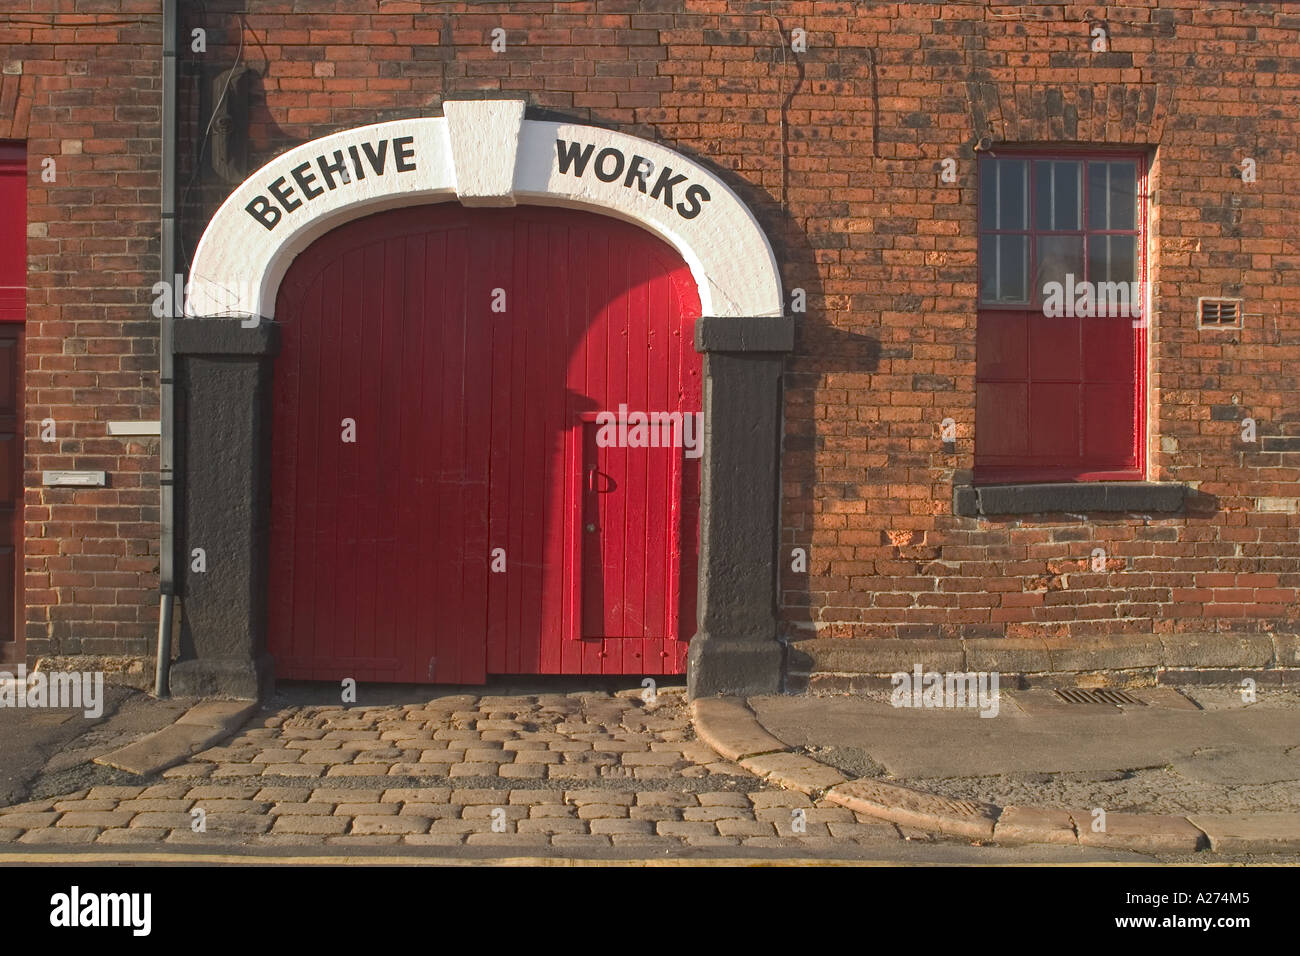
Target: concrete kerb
207	723
730	727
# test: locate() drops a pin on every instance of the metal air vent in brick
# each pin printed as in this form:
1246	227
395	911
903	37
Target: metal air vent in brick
1218	313
1077	695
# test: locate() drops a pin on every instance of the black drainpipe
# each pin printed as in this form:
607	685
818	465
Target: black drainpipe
167	271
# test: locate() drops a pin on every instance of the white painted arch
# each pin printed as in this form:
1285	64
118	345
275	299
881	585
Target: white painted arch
482	153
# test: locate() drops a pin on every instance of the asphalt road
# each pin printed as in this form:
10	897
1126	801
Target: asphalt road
48	751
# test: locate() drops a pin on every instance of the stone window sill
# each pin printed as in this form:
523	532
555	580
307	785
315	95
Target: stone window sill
1081	496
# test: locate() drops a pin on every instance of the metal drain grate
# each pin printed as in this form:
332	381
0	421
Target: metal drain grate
1076	695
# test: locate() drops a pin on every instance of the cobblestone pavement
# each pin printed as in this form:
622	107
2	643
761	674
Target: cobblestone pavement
521	773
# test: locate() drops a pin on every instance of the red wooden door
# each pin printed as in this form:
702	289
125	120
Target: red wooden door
11	493
13	308
472	351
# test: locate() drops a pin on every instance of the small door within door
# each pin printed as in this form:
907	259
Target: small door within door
628	543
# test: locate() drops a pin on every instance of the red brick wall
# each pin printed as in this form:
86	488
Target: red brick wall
81	87
1201	87
838	151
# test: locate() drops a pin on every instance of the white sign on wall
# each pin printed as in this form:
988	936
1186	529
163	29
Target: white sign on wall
481	153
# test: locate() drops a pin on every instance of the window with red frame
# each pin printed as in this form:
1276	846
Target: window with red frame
1061	330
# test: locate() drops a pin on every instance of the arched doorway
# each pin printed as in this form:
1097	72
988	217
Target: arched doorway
485	155
443	503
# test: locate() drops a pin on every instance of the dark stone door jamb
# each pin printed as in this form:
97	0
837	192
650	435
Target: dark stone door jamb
223	371
735	649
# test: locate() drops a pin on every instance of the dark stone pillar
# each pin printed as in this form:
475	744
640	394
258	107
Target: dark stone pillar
223	379
735	650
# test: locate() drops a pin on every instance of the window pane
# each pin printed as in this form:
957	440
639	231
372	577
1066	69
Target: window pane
1112	268
1013	193
1058	256
1057	194
1003	195
1112	258
1004	269
1112	195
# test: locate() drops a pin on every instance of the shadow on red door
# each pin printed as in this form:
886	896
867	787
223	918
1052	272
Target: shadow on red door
444	503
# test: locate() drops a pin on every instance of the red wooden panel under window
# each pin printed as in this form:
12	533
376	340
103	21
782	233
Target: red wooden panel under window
1057	398
1055	419
1002	419
469	439
1003	352
1055	349
13	232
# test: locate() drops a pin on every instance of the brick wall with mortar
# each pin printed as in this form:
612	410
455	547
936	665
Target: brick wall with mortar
838	151
81	87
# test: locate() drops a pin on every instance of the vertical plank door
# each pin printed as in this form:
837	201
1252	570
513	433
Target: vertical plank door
435	398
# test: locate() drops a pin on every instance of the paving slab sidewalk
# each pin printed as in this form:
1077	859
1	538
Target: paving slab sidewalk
1159	772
